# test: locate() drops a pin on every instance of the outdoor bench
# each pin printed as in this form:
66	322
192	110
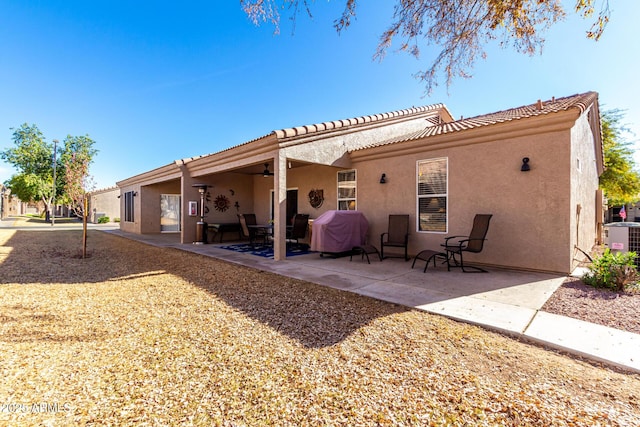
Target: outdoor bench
221	228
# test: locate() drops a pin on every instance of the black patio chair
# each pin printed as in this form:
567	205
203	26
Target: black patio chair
251	233
473	243
299	229
397	235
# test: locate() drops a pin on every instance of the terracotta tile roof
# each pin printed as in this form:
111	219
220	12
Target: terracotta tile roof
554	105
318	128
346	123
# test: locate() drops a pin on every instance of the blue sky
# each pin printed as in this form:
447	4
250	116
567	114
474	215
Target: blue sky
152	82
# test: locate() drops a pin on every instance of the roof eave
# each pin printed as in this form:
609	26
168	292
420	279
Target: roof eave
163	173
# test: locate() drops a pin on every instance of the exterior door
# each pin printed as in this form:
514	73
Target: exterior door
292	205
169	213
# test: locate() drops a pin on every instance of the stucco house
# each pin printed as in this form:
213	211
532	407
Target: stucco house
439	170
10	205
104	202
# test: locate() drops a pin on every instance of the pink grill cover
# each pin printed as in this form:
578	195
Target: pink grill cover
339	231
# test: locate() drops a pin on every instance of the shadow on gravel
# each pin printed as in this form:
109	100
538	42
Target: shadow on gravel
314	315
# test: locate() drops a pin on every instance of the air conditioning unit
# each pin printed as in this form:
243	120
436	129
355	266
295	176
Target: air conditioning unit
623	237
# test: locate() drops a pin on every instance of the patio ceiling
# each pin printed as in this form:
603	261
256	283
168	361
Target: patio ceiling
258	168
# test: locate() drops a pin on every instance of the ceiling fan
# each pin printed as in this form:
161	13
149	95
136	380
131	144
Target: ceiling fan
266	172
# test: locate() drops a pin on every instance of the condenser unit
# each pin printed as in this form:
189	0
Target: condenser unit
623	237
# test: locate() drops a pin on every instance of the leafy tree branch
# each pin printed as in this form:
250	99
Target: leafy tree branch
460	28
620	181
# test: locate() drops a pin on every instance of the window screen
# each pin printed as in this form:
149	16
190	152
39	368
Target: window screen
347	190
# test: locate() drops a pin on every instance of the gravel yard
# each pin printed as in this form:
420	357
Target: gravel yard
609	308
139	335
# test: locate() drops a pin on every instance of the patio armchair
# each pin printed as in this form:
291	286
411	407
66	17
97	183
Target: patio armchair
299	229
397	235
456	246
252	234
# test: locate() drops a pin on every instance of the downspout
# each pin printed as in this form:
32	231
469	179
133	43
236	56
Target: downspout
577	245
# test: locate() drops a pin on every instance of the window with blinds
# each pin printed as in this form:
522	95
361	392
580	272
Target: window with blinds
432	195
347	190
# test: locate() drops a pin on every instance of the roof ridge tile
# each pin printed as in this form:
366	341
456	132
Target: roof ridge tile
582	101
336	124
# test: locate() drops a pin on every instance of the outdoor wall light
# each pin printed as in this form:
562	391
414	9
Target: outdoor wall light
525	165
383	178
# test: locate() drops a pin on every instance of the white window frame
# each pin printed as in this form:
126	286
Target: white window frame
444	195
348	200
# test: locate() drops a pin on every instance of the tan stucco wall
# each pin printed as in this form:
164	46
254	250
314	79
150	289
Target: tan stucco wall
529	228
261	202
130	227
189	193
147	213
234	186
150	204
237	188
584	181
332	149
303	179
105	202
146	206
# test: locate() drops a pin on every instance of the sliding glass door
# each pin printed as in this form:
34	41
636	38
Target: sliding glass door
169	213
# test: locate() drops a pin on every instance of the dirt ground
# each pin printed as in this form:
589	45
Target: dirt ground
138	335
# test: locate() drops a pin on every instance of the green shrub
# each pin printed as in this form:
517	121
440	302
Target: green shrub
103	220
116	219
612	270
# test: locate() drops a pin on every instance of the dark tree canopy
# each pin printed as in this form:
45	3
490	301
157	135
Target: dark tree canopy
460	28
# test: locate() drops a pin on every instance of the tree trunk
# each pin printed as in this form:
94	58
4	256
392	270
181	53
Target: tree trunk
48	208
84	230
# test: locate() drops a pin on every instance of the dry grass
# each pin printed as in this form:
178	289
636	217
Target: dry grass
138	335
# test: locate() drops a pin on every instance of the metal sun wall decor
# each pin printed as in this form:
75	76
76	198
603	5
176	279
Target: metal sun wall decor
221	203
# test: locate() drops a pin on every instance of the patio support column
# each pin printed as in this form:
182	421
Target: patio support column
187	193
280	207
